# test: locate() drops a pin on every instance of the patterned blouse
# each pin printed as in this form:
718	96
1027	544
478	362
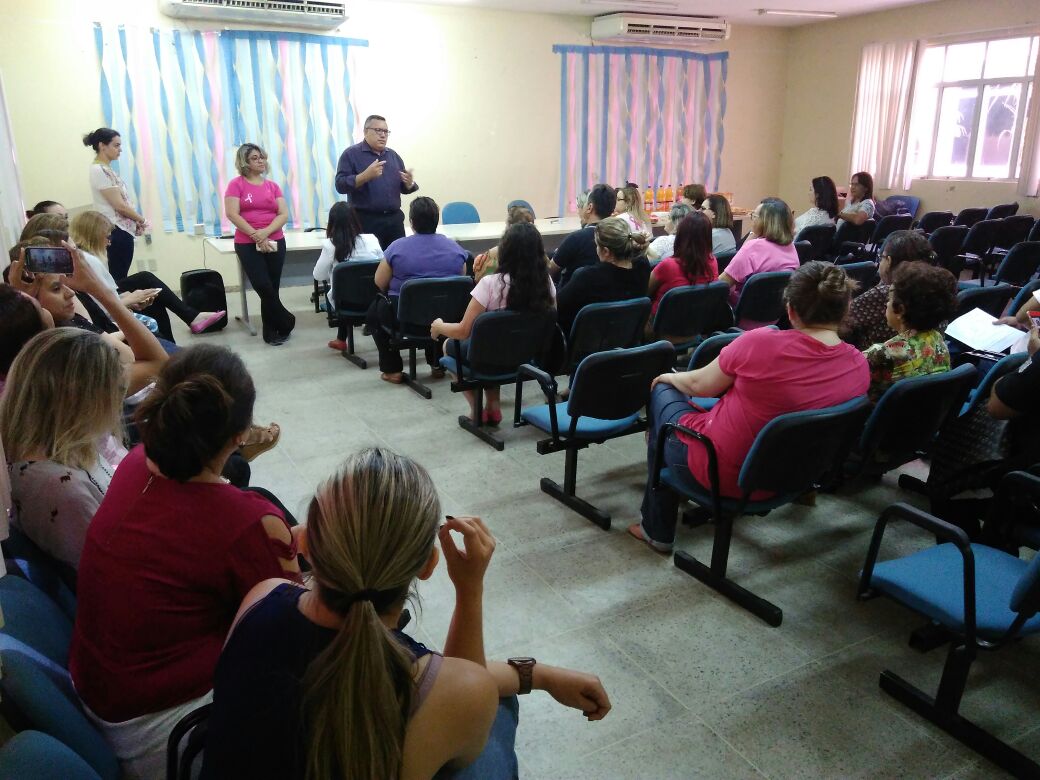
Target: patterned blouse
903	356
866	324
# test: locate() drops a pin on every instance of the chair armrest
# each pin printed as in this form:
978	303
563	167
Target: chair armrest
713	461
549	387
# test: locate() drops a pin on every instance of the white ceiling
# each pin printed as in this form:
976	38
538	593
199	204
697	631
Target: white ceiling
738	11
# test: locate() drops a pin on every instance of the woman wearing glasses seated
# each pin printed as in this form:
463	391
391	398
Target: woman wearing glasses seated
769	247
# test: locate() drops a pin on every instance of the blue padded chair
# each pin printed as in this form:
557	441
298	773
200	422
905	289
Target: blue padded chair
933	220
903	204
968	217
354	288
804	250
761	298
459	212
1016	268
885	227
606	398
946	241
420	303
709	349
33	755
1025	294
864	272
1034	232
991	299
32	618
602	326
687	315
499	344
52	577
723	258
37	694
180	758
849	237
907	417
790	456
981	238
820	238
983	597
521	203
1002	211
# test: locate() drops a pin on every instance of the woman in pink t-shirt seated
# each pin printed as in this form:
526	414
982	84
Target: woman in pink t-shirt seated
769	246
764	373
691	263
521	284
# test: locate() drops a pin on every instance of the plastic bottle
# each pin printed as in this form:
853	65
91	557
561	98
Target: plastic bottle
669	196
660	198
648	199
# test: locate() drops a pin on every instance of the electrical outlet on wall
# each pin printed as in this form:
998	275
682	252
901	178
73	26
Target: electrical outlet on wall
200	229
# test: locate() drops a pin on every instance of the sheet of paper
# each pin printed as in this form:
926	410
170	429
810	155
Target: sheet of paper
976	329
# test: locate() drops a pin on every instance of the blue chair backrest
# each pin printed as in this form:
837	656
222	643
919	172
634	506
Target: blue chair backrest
522	204
693	311
502	341
889	225
616	384
849	232
354	285
723	258
602	326
459	212
865	273
820	236
1014	229
1024	295
909	414
980	395
934	220
424	300
33	755
56	579
946	242
992	300
31	617
795	449
1003	210
903	204
709	349
762	297
1034	232
981	237
44	699
1025	598
1020	264
970	216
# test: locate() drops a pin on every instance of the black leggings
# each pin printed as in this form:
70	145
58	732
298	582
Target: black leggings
390	361
166	302
264	270
120	253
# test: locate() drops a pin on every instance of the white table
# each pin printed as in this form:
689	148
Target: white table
302	249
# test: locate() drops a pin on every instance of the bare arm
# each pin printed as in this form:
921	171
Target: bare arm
725	277
115	199
855	217
466	569
707	382
384	273
569	687
458	330
278	222
231	208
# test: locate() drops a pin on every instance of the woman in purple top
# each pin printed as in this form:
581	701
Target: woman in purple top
769	246
258	211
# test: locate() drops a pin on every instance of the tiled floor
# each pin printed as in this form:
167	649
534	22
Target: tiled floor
699	687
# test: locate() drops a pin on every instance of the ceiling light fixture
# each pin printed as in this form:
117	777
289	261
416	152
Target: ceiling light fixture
661	5
807	14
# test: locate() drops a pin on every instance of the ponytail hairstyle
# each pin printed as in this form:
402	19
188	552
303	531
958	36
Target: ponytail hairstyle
819	293
370	532
90	230
614	235
42	208
635	204
103	135
343	229
693	245
202	399
521	254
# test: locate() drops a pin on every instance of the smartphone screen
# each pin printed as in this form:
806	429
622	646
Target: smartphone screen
1034	318
48	260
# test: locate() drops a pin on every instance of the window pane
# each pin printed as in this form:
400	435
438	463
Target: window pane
1007	58
998	122
964	61
1022	130
956	114
1032	56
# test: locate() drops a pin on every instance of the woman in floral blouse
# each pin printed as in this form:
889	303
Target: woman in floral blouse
922	298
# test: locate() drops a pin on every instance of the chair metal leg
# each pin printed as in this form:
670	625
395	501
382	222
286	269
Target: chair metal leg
477	427
411	381
348	353
566	494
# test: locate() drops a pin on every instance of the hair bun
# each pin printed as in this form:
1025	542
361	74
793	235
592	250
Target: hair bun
89	139
637	242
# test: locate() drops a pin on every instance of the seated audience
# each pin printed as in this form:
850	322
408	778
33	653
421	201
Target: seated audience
859	205
630	208
143	291
769	247
764	373
21	318
343	241
44	221
922	298
823	204
693	195
691	263
59	433
663	246
867	322
721	215
579	248
487	262
424	255
47	207
621	273
318	681
521	283
170	554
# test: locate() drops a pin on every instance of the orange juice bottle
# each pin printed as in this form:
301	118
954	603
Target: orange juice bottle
669	196
660	198
648	199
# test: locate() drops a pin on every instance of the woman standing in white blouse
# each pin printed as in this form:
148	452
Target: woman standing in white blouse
110	197
823	197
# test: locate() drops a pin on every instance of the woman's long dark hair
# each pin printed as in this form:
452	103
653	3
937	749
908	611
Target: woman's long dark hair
693	245
343	229
521	254
826	195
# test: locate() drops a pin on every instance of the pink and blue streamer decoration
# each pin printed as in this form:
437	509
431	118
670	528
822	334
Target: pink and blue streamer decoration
185	101
652	116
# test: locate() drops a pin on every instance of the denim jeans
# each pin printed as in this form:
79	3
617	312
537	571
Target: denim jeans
497	761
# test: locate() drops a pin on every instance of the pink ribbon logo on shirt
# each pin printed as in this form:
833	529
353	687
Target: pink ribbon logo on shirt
248	198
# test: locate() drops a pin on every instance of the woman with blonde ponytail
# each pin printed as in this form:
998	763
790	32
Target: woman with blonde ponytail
317	683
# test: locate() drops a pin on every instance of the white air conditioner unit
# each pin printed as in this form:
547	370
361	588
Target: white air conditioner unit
319	14
667	30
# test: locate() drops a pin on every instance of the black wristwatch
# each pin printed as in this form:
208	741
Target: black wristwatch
525	668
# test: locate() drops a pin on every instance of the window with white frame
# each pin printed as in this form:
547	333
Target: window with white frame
969	109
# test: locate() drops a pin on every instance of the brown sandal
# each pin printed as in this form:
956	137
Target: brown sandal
259	440
394	379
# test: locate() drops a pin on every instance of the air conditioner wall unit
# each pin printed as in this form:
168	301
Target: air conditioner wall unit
314	14
661	30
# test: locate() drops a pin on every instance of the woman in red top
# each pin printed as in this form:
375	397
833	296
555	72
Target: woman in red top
691	263
764	373
169	555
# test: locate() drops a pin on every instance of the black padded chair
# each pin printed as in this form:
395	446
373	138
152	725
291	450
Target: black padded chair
602	326
193	727
353	282
906	419
1024	295
864	272
686	315
1002	211
318	296
1012	230
946	242
420	303
1034	233
981	238
791	455
606	399
882	230
968	217
820	238
804	250
1016	268
709	349
501	342
848	237
762	298
723	258
933	220
992	300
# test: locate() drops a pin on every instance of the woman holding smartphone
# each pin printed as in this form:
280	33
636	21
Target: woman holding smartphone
258	211
111	199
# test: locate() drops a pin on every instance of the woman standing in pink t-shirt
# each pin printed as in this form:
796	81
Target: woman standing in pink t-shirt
764	373
258	211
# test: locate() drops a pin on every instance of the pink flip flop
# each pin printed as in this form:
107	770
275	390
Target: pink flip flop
213	319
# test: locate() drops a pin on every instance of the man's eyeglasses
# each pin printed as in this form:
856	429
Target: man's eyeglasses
378	130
